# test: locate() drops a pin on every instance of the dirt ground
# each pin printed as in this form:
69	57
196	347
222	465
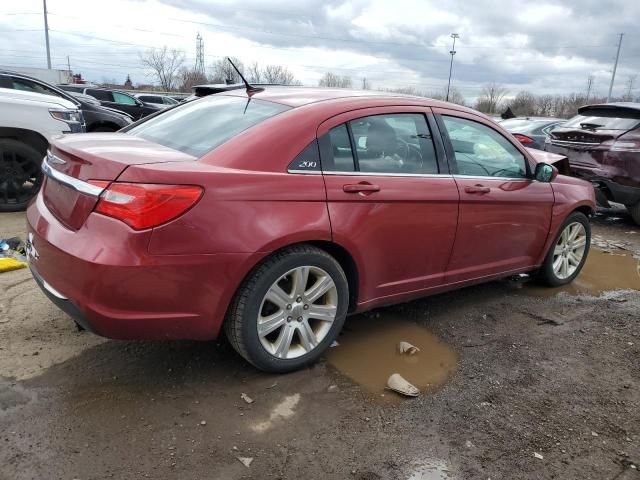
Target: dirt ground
547	385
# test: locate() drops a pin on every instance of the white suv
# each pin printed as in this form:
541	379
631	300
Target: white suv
28	121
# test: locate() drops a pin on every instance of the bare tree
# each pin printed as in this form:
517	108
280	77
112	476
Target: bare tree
491	98
165	65
334	80
455	96
278	74
254	73
223	72
189	78
524	104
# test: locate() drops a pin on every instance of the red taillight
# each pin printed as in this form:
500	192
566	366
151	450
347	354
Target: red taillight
146	205
523	138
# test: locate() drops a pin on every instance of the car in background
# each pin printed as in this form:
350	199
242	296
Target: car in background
28	123
602	144
270	214
163	100
96	117
117	100
531	131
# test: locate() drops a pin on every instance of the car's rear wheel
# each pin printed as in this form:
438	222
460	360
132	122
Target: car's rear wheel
634	210
568	253
20	174
289	309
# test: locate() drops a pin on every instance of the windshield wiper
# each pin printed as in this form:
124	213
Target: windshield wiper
590	126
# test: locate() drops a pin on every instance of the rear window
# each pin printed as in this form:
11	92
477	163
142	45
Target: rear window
198	127
601	123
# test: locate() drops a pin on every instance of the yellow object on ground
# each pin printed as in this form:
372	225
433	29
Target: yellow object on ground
7	264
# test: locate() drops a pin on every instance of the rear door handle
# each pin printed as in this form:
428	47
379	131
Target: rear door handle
477	189
360	187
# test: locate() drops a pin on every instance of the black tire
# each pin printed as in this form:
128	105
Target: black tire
546	273
104	129
634	210
20	174
242	316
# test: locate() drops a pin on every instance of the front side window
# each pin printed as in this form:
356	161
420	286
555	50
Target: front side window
397	143
198	127
481	151
123	99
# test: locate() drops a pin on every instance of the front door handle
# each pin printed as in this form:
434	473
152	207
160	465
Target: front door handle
360	188
477	189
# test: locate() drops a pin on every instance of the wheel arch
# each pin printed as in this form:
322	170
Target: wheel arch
29	137
103	124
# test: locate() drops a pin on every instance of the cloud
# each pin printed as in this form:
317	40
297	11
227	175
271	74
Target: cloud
548	47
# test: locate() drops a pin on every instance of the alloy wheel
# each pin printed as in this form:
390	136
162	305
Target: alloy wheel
569	250
297	312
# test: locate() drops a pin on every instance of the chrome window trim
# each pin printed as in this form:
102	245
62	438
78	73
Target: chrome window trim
488	177
372	174
71	182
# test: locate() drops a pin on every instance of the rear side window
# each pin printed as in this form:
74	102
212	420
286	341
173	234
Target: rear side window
198	127
601	123
397	144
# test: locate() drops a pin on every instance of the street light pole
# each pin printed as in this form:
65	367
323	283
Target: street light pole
452	52
46	33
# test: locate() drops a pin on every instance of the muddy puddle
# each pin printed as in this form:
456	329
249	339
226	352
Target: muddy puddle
368	354
601	273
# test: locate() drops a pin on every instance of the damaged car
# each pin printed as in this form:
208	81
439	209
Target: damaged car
602	144
272	213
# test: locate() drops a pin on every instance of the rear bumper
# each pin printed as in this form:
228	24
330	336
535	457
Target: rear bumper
607	188
103	277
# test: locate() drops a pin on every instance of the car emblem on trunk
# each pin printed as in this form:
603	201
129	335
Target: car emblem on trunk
51	158
30	249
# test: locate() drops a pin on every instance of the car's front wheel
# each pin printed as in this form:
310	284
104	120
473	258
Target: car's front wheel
568	253
289	309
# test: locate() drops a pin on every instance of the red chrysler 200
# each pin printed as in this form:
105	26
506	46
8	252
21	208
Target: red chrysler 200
275	213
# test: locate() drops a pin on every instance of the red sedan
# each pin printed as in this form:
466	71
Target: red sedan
276	213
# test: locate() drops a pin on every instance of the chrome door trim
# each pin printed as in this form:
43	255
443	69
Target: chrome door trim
71	182
488	177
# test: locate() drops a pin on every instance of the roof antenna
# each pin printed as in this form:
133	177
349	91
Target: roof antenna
250	88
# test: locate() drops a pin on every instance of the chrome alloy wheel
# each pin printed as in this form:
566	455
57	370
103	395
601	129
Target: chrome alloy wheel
569	250
297	312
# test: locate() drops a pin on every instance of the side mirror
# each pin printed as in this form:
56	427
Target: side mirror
545	172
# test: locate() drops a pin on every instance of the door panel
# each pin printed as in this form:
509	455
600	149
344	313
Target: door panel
399	226
505	215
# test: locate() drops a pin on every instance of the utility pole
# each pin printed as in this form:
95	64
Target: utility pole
46	33
589	85
615	67
452	52
199	68
629	96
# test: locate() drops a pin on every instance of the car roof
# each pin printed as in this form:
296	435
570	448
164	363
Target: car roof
301	96
36	97
538	119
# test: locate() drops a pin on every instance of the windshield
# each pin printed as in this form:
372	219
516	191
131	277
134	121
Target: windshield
198	127
601	123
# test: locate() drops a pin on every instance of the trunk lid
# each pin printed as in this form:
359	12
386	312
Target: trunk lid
75	160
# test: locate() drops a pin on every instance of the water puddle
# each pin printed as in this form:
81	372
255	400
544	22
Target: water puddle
601	273
431	470
368	354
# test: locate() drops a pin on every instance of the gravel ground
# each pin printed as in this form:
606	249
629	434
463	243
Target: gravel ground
546	387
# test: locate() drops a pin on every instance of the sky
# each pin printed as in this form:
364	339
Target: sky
545	47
